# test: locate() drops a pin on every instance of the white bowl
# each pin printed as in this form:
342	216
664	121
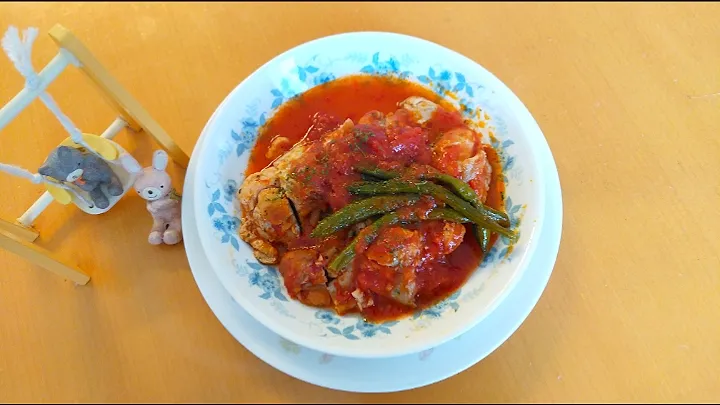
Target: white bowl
224	147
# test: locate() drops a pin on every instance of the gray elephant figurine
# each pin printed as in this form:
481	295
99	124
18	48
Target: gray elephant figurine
84	169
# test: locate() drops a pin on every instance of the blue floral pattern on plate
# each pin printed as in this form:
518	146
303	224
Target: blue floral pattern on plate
361	329
266	279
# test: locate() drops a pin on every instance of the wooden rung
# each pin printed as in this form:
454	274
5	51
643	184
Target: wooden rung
41	257
21	232
132	111
40	205
66	40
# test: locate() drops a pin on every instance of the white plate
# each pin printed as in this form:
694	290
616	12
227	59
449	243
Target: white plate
224	148
390	374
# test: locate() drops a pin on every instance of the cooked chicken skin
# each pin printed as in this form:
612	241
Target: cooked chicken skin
303	273
273	216
267	200
396	253
457	152
274	220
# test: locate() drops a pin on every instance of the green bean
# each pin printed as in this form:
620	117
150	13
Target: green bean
463	190
345	257
499	216
379	173
447	214
368	178
365	182
477	215
483	237
458	186
360	210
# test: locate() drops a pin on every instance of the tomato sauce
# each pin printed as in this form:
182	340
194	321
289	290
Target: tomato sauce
352	98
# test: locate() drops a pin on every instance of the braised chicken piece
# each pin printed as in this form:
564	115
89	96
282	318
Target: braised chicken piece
458	151
393	258
248	199
441	239
341	292
303	273
274	201
396	247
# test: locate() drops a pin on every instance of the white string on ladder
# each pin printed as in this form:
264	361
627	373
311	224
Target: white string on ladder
19	52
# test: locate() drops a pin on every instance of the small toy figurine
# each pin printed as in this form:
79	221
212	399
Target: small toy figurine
154	185
85	170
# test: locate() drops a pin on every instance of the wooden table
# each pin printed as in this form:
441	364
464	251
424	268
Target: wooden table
626	94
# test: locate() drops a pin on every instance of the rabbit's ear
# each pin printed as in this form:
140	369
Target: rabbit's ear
160	160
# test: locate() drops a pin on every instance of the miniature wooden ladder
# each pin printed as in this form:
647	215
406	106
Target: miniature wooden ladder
18	236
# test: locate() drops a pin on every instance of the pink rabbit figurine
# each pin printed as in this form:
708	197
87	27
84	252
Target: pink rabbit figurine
154	185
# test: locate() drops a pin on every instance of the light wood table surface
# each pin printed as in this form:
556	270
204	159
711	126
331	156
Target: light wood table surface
626	95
